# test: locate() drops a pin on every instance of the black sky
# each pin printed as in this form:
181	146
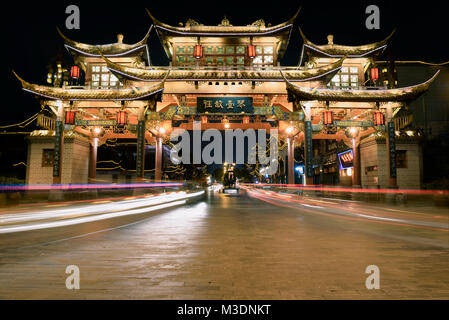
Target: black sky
31	39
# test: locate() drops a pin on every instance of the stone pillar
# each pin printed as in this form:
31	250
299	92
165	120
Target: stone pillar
291	160
140	158
356	176
59	143
391	149
308	152
93	160
158	166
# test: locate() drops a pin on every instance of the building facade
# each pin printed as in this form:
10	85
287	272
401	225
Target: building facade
224	77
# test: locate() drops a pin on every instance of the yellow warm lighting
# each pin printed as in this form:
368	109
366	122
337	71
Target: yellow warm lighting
353	130
289	130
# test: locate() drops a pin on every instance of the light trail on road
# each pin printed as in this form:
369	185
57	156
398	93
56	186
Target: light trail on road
364	213
27	221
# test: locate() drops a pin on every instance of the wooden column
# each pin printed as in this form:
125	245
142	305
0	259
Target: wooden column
158	166
291	160
93	160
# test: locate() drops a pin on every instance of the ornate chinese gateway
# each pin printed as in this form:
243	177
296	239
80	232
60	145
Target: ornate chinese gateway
226	77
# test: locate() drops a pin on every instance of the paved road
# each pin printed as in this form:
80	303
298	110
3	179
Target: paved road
257	245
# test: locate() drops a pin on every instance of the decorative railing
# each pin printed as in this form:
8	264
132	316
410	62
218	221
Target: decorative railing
357	88
402	121
46	122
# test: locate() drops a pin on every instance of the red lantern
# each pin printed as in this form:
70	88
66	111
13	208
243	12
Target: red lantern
328	117
122	118
198	52
70	117
374	74
252	51
75	72
378	119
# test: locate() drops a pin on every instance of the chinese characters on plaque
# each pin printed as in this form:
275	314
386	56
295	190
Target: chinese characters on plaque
225	105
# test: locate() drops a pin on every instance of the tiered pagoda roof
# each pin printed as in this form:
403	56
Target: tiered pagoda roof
381	95
54	93
294	74
118	49
332	50
225	29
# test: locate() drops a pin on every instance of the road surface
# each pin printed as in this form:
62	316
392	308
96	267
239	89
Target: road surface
256	245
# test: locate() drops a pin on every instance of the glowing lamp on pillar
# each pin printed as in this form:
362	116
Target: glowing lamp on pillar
70	117
122	118
289	130
161	130
374	74
226	123
378	119
328	118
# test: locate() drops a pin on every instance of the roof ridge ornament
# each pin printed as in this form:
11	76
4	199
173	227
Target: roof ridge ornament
192	22
225	22
258	23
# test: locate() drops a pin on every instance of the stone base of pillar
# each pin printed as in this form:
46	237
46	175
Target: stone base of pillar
56	195
309	181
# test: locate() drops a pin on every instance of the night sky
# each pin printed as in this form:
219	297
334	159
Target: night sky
32	41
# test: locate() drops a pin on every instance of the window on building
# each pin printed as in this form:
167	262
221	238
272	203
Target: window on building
264	56
48	157
401	158
103	78
229	55
348	77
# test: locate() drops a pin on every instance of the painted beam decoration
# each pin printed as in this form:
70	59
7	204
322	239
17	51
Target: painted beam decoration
225	105
96	123
353	123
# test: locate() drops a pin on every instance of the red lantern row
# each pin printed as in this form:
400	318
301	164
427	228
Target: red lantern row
198	52
328	117
374	74
75	72
122	118
379	119
70	117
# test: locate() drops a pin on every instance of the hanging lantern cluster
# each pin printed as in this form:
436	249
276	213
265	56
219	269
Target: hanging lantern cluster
378	119
198	50
122	118
75	72
328	118
374	74
251	49
70	117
